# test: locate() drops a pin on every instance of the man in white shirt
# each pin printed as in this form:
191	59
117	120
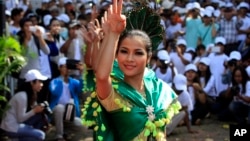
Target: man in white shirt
180	58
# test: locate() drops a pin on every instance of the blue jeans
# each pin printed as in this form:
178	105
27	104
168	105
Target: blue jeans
28	132
240	112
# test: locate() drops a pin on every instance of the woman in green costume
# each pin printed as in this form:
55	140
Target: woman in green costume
129	102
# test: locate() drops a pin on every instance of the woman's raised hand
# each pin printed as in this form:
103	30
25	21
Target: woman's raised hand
116	20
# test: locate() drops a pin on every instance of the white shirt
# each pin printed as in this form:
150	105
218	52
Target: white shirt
247	93
172	29
166	77
13	30
217	69
185	100
245	26
44	63
209	88
66	96
192	94
177	61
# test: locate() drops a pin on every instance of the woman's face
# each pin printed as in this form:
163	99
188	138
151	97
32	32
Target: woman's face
238	77
190	75
26	26
132	56
202	67
37	85
55	27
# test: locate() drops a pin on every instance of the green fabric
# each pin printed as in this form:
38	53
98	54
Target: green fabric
156	96
120	125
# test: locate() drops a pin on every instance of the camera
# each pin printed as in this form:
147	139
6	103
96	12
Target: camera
47	109
235	90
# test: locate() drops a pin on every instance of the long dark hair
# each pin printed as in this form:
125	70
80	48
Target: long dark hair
207	74
244	78
31	96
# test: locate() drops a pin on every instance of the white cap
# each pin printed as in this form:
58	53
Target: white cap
196	5
163	55
181	42
205	60
167	4
190	67
7	12
45	1
67	1
62	61
180	82
243	5
34	75
235	55
46	19
248	70
207	13
190	49
216	13
189	6
220	40
88	11
222	4
64	18
229	5
210	8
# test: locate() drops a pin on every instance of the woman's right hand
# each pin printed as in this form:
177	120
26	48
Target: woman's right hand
116	20
38	109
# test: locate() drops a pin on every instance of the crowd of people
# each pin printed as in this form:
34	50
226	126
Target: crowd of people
201	67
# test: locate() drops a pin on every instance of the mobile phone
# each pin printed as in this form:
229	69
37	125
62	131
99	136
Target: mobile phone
72	63
215	49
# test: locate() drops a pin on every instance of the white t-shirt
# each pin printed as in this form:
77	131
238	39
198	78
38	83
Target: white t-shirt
166	77
185	100
217	69
44	63
177	61
209	88
247	93
13	30
66	96
245	26
192	94
172	29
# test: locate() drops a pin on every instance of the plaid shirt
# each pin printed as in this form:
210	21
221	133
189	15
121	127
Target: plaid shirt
227	29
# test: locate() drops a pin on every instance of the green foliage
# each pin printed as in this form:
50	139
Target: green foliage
145	19
11	60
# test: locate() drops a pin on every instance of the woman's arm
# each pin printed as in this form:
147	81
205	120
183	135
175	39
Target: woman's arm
117	23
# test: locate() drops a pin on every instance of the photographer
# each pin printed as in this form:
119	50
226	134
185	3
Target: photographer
24	119
65	91
240	90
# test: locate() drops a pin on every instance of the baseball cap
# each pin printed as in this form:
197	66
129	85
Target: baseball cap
207	13
190	67
74	23
67	1
46	19
235	55
243	5
181	42
205	60
221	40
163	55
62	61
34	75
64	18
180	82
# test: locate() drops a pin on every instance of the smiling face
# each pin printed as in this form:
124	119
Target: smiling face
132	56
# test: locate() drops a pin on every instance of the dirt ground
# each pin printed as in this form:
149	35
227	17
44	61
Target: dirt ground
210	130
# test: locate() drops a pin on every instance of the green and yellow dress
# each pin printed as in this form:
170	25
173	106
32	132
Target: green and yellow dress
127	115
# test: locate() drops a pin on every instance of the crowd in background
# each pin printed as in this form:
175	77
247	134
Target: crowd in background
204	55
